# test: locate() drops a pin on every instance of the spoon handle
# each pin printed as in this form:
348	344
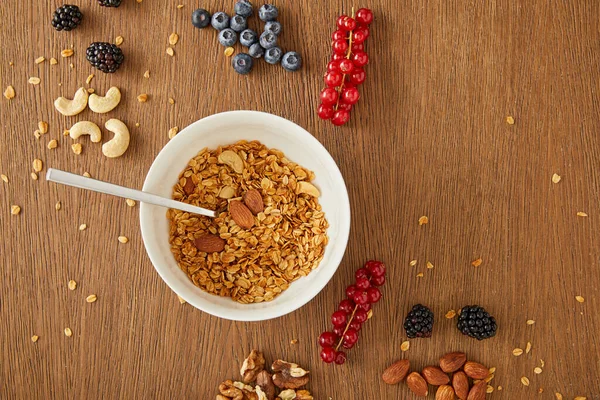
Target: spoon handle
67	178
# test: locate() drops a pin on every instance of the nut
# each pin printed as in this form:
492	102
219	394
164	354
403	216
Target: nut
475	370
308	188
212	244
478	391
106	103
86	128
227	389
255	362
241	214
289	375
259	393
289	394
263	379
444	392
231	158
254	201
435	376
221	397
248	391
452	361
460	383
417	384
72	107
396	372
120	142
303	395
227	192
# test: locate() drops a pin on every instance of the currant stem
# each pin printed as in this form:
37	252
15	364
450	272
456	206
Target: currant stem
355	307
348	55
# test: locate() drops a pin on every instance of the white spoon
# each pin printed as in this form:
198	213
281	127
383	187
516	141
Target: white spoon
66	178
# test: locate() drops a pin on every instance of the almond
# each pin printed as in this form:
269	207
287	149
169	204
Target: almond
417	384
189	186
476	371
460	383
210	243
478	391
435	376
254	201
452	361
241	214
444	392
396	372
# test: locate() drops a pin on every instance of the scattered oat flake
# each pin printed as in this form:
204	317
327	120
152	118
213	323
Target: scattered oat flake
499	388
53	61
91	90
179	6
34	176
541	390
580	398
229	51
528	348
43	127
489	378
38	165
15	210
130	203
119	40
517	352
40	60
66	132
555	178
82	227
429	265
123	239
525	380
420	275
581	214
173	131
91	298
294	341
173	39
542	363
477	262
170	51
66	53
4	178
34	338
89	78
451	314
68	332
72	65
72	285
87	174
492	370
52	144
579	299
34	80
142	98
147	74
558	396
423	220
37	134
489	389
537	370
510	120
171	100
369	314
413	263
76	147
405	345
181	299
530	322
9	93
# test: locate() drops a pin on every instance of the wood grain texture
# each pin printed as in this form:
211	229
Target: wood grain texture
428	137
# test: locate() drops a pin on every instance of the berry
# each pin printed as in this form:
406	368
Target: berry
356	47
362	283
357	76
220	21
347	344
375	268
243	8
248	37
66	18
340	117
238	23
374	295
365	307
339	46
344	106
346	306
339	34
328	354
355	325
339	318
227	37
333	66
361	273
360	316
340	357
268	12
329	96
291	61
419	322
346	23
378	280
256	50
327	339
242	63
364	16
346	66
351	336
333	78
350	95
360	58
339	330
104	56
109	3
325	111
338	57
273	26
200	18
273	55
360	297
268	40
360	34
477	323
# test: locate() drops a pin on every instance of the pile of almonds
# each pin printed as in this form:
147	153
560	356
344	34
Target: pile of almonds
448	389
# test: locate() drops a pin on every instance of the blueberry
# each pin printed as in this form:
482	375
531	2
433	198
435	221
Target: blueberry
227	37
273	26
243	8
238	23
291	61
256	50
200	18
273	55
268	12
268	40
220	21
248	37
242	63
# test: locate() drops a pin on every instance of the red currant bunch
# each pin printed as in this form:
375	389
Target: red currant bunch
352	312
345	71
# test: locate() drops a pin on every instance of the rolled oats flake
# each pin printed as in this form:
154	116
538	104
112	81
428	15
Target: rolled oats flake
89	78
517	352
53	61
581	214
510	120
173	39
35	338
4	178
580	299
413	263
170	51
537	370
82	227
528	347
66	53
91	298
451	314
525	380
38	165
130	203
68	332
72	285
181	299
429	265
9	92
477	262
40	60
530	322
77	148
556	178
52	144
119	40
405	345
34	80
123	239
423	220
420	275
34	176
15	210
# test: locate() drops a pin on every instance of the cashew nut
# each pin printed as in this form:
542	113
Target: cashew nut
86	128
102	105
72	107
116	146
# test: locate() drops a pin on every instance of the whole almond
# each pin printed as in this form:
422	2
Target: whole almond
444	392
417	384
241	214
478	391
435	376
460	383
254	201
476	371
452	361
210	243
396	372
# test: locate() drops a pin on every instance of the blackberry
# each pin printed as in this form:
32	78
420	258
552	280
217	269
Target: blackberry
477	323
109	3
66	17
104	56
419	322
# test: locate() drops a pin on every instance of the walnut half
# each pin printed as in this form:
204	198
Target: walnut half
252	366
264	381
291	394
289	375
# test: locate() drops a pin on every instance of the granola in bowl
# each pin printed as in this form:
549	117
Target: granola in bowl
254	261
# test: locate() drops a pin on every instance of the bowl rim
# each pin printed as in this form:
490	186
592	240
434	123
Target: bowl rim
240	315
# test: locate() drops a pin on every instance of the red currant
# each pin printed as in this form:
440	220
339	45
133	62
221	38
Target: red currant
340	117
344	106
346	306
339	34
340	46
333	66
357	76
333	78
346	23
364	16
347	345
360	316
378	280
375	268
361	273
325	111
327	339
356	47
360	58
351	336
374	295
339	330
329	96
360	298
338	57
360	34
346	66
339	318
350	95
328	354
340	357
365	307
355	325
363	283
350	290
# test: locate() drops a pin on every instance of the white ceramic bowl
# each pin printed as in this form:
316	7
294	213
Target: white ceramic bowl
275	132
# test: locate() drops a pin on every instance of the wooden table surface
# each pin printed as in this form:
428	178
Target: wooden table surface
428	138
